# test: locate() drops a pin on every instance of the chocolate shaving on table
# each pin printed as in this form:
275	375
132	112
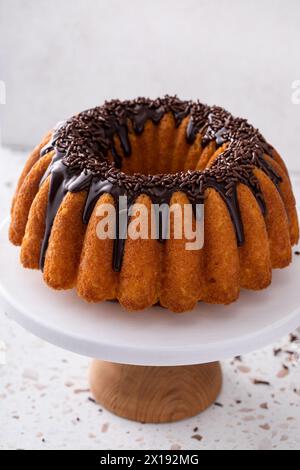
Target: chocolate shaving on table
220	405
293	338
261	382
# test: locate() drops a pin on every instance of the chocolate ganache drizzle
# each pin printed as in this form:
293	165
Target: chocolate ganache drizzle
82	144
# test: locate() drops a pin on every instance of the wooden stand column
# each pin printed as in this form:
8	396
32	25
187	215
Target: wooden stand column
155	394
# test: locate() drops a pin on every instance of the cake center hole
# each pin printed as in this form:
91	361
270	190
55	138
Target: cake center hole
160	149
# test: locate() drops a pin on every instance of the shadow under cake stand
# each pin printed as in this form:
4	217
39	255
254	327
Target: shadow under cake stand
151	366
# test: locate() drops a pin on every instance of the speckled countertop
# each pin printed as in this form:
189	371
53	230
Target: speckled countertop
45	402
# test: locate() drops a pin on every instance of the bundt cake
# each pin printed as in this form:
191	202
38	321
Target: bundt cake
155	151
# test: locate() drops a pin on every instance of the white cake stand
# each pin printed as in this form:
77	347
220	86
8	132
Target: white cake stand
138	379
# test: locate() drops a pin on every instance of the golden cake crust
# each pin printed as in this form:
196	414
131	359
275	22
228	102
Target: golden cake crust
151	272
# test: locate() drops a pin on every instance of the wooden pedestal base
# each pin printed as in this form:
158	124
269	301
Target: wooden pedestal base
155	394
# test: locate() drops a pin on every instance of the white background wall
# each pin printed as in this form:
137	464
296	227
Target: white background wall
61	56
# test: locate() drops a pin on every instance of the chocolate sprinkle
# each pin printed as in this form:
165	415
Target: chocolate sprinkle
83	143
197	437
220	405
261	382
293	338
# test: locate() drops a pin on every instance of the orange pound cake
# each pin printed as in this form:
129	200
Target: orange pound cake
164	151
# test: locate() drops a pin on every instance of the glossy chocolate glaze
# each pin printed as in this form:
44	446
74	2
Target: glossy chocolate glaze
81	162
